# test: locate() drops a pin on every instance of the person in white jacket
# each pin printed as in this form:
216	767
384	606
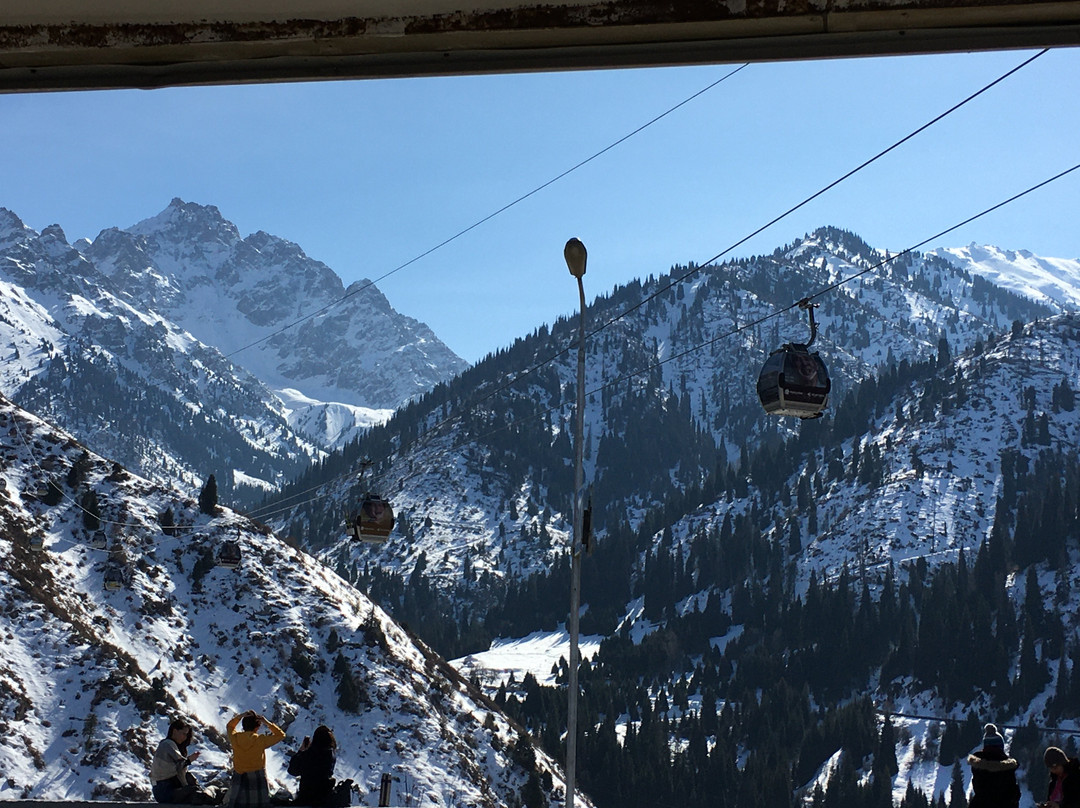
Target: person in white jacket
168	769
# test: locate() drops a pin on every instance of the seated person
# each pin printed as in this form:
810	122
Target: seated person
168	769
314	765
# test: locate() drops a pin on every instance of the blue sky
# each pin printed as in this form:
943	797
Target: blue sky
367	175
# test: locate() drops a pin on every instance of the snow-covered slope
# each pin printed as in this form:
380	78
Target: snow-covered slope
89	677
487	491
937	457
1049	280
125	379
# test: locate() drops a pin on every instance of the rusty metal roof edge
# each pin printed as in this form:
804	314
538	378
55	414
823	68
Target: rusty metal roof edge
808	36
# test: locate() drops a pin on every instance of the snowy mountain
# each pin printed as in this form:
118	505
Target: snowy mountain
238	294
926	565
671	399
91	674
1055	281
144	344
965	476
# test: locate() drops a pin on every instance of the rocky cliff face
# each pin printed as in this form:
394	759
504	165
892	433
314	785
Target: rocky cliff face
269	307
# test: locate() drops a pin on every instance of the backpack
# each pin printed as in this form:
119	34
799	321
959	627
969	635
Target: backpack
341	796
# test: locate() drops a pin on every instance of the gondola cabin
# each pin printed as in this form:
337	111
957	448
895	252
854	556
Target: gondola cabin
37	542
373	522
114	578
99	540
229	555
794	381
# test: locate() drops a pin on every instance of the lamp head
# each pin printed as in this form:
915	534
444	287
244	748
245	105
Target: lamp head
576	256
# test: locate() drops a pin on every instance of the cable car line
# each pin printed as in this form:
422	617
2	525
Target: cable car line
815	195
490	216
457	416
837	284
778	312
259	513
730	333
671	283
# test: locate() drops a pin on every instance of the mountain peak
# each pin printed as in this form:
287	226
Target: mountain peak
188	219
9	222
54	231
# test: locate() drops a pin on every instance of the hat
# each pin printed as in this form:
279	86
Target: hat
1054	757
991	737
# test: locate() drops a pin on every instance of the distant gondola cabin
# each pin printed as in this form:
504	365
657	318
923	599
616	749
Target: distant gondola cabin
229	555
99	540
374	521
114	578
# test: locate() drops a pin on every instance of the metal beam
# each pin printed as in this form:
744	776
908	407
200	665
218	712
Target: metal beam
61	44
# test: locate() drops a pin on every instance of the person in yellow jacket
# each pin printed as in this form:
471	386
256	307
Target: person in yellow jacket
249	788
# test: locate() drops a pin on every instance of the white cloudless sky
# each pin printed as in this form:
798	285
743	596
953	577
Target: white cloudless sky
368	175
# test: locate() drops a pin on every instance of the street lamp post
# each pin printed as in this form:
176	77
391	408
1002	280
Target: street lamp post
575	254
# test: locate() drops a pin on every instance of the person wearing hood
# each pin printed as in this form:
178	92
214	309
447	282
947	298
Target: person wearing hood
993	773
1063	790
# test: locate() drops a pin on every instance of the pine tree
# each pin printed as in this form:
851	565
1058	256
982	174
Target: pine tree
944	355
949	746
91	512
53	493
532	793
208	497
914	798
348	692
203	565
885	763
957	791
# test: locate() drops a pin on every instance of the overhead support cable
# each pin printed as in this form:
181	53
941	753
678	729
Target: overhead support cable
730	333
512	379
489	217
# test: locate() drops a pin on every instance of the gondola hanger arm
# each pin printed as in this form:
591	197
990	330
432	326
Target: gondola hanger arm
809	307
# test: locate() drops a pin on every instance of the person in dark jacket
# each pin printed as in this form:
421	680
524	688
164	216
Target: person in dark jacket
1063	790
993	773
314	765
